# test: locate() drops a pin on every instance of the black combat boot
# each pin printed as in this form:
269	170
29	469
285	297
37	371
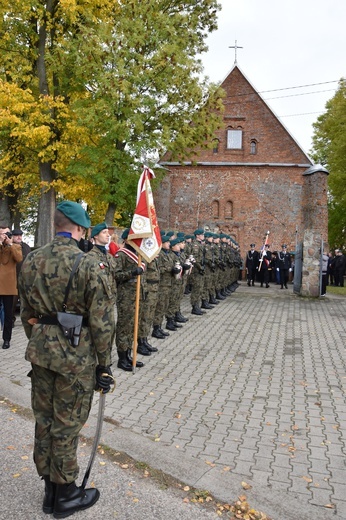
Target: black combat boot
176	324
149	347
49	495
213	301
179	318
196	310
142	349
157	333
139	364
69	499
123	362
219	296
206	305
170	325
164	332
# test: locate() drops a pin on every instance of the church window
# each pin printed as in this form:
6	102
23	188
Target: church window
234	139
253	147
229	209
215	209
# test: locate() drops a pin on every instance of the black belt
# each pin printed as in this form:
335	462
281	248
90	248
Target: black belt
152	281
52	320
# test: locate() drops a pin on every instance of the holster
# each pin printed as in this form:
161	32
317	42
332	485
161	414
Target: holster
71	326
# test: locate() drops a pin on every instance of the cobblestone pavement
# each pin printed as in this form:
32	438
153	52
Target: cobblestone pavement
254	390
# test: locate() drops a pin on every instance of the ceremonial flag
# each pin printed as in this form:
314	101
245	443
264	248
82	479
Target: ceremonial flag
144	235
263	254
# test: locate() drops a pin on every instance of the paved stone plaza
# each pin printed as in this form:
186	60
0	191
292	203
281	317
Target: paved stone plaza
252	391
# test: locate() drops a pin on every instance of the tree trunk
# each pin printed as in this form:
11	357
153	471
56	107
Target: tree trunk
46	208
110	213
45	228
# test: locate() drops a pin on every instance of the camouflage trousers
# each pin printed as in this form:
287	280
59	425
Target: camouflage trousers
175	298
61	406
126	303
197	281
162	304
147	311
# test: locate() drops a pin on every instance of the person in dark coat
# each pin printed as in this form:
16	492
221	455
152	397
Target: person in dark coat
339	268
284	265
251	264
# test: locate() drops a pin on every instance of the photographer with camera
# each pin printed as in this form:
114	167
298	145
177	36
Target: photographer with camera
10	255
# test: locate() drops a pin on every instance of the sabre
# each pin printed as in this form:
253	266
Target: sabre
101	411
263	249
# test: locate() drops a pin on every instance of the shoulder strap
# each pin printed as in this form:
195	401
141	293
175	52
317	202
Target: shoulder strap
68	287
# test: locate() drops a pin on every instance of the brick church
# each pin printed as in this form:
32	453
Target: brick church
256	178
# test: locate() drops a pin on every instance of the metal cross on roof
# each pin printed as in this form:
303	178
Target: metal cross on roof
235	47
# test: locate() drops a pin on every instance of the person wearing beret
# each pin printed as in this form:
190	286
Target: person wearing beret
197	280
166	265
126	272
100	236
65	368
251	264
10	255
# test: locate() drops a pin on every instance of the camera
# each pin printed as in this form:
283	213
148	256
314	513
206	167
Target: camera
9	234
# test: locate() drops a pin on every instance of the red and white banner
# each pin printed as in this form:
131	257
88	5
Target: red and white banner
144	234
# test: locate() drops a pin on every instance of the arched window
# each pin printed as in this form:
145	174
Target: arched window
215	207
234	138
216	143
253	147
229	209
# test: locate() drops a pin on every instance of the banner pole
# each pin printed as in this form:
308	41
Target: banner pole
135	331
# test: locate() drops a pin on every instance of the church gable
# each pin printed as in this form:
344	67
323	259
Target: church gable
251	132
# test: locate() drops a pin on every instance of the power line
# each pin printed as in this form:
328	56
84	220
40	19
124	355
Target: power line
303	114
299	86
302	94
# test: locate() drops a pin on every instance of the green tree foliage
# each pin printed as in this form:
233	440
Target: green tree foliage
329	148
88	90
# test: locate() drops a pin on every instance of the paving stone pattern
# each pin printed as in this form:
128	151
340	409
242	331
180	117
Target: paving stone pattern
255	387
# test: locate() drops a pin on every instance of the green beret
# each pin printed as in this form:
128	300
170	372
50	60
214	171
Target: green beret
170	233
208	234
165	239
125	233
199	231
180	234
98	228
181	239
162	233
175	241
74	212
189	236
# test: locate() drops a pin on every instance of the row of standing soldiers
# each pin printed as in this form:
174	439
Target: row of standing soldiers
204	265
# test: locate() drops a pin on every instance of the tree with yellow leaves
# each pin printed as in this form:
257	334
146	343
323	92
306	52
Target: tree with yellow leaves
88	90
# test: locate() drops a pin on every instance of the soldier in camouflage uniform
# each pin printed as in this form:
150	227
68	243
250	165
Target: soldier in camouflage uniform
126	272
197	275
208	274
174	316
147	309
63	376
166	264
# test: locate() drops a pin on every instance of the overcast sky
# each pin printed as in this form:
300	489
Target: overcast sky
286	43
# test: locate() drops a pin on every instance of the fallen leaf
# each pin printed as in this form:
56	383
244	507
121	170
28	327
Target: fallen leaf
102	463
245	485
186	500
16	475
186	488
124	466
330	506
157	439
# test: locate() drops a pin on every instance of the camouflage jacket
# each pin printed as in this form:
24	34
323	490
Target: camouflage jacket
42	283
